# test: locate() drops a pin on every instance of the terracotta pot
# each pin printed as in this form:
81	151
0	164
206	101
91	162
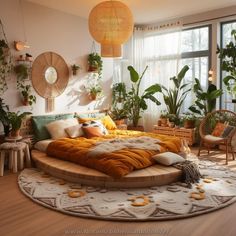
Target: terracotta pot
25	101
15	133
164	122
189	124
120	122
136	128
92	96
92	69
74	72
159	122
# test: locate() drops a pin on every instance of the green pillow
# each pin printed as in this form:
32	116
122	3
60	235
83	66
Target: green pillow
39	122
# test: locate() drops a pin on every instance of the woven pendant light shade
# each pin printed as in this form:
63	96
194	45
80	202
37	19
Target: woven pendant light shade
111	24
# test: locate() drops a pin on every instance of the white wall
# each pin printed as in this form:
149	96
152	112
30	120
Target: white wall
51	30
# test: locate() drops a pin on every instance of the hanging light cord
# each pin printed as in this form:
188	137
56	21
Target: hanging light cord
22	19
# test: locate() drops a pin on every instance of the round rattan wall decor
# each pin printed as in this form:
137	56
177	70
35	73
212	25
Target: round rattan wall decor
50	76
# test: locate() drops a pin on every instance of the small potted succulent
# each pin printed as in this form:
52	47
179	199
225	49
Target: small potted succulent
172	120
94	91
164	118
28	98
75	69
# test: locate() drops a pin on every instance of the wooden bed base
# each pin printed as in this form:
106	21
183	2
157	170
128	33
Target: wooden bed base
151	176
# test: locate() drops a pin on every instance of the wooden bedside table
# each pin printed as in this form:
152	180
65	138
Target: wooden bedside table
187	134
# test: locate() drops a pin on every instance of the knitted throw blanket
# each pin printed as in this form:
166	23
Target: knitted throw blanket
190	171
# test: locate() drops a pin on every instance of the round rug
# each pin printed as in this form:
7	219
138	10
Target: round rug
215	190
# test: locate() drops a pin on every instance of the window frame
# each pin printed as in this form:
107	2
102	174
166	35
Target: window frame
221	46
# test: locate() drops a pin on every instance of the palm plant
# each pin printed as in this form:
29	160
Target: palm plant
136	101
174	97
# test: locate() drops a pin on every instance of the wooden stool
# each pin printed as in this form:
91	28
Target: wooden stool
17	151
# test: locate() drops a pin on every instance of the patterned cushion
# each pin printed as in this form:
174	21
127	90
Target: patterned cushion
96	123
219	129
227	131
91	132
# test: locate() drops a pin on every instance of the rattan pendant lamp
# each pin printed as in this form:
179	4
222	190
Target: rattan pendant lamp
111	24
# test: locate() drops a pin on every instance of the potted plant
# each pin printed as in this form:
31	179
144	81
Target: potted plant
174	97
118	115
118	92
172	120
205	100
22	73
15	120
94	62
163	118
228	64
94	91
135	102
28	98
189	120
5	64
4	109
75	69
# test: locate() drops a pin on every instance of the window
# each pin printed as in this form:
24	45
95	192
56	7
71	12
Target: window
226	29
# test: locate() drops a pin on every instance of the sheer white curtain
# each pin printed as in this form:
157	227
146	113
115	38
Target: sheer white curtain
157	47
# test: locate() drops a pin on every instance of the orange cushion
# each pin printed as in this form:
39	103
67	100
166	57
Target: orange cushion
91	132
106	121
219	129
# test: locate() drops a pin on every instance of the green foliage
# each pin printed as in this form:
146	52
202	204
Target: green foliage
26	93
5	64
4	109
118	113
228	63
174	97
22	73
205	101
75	67
118	93
15	119
95	61
136	102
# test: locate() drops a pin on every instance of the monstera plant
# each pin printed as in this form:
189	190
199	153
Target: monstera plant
136	100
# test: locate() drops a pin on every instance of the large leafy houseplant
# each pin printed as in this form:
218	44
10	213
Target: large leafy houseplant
205	100
15	120
174	97
135	99
228	64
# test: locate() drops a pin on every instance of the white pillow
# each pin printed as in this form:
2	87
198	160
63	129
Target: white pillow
168	158
42	145
75	131
57	128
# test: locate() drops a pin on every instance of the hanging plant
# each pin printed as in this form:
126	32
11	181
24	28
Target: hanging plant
75	69
95	63
5	64
28	97
22	73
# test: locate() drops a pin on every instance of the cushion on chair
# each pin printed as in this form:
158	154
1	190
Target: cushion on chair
212	138
219	129
227	131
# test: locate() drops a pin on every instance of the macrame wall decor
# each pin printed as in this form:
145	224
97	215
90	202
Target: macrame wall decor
50	76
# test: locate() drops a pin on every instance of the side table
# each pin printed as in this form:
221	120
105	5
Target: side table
15	151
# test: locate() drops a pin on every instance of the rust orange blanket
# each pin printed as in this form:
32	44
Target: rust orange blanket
122	159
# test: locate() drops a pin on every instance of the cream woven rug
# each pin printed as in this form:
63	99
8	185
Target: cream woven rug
217	189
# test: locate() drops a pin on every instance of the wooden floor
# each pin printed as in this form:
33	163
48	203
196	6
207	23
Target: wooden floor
21	216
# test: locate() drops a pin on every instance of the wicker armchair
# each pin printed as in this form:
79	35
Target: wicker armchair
208	125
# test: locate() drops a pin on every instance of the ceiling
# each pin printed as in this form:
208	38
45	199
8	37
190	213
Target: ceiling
144	11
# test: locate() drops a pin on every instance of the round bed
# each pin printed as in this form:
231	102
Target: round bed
150	176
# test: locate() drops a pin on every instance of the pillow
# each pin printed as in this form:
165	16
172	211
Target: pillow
228	129
42	145
57	128
92	131
75	131
96	123
108	122
219	129
168	158
39	123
